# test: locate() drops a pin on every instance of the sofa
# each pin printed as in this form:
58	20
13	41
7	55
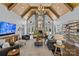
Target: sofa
4	51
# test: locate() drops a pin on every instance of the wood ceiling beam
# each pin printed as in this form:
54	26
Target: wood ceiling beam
54	12
48	9
13	5
24	13
8	4
36	8
51	14
30	9
73	5
29	14
68	6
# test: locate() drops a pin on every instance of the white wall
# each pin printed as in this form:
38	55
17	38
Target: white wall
11	17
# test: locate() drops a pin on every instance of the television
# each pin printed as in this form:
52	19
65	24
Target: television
7	28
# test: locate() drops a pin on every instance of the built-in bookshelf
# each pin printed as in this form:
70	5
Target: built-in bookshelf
71	31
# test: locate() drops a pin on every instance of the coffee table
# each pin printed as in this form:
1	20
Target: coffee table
14	52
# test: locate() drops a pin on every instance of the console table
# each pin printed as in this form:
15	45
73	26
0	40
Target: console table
12	38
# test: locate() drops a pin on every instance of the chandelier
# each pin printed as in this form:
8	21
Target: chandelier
40	10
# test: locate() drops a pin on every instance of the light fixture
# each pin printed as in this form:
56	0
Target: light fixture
40	10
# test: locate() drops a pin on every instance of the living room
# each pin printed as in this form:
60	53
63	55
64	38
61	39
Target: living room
24	30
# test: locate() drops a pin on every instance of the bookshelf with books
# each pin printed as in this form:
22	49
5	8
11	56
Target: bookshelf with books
71	31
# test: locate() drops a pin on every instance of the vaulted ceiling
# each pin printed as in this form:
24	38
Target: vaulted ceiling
53	10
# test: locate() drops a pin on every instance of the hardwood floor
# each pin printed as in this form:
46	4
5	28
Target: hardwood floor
30	50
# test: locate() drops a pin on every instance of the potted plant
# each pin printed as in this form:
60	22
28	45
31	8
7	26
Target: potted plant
38	39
